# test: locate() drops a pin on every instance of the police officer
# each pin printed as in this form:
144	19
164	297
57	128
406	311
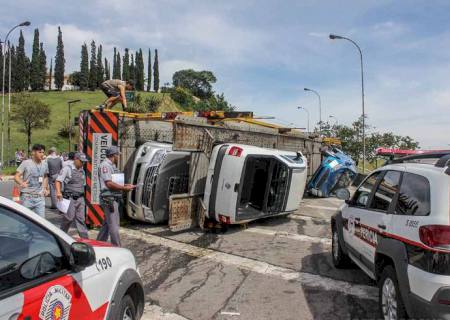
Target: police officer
110	195
74	180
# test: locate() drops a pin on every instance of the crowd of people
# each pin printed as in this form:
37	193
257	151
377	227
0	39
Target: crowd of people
62	178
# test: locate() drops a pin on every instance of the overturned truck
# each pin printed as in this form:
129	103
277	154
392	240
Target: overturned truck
188	167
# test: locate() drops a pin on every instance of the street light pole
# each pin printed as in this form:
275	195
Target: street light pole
23	24
335	119
334	37
320	107
307	111
69	103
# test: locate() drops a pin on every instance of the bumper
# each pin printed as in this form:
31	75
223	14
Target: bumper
437	308
140	212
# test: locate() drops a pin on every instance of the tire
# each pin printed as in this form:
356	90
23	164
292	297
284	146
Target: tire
127	309
389	297
340	259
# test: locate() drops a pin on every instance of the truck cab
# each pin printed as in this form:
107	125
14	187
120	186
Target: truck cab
158	172
245	183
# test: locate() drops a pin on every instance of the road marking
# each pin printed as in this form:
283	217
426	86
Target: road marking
322	207
292	236
264	268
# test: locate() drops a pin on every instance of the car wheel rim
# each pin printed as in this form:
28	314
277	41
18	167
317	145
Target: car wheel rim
335	245
389	300
127	314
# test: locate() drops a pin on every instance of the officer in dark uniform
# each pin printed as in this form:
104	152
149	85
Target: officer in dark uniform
110	195
73	178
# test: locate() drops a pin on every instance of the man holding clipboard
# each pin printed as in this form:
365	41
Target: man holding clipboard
111	188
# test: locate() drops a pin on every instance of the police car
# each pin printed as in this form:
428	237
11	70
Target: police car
45	274
396	228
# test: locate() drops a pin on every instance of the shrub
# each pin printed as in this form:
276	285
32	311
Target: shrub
182	96
64	131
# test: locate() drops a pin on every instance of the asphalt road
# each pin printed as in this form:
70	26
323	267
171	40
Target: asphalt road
276	268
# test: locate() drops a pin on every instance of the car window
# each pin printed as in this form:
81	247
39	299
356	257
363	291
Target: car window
414	196
27	251
386	191
361	196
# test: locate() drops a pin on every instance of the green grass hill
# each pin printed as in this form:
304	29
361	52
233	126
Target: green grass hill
57	100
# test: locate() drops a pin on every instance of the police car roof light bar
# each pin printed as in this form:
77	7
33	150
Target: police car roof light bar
428	155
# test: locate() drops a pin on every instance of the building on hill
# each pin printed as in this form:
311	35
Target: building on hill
66	86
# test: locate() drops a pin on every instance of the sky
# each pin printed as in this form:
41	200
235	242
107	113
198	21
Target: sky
265	52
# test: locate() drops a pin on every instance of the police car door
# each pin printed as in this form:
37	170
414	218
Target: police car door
36	281
377	218
352	213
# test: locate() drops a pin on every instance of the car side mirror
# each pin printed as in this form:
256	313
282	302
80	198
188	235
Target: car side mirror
342	194
82	255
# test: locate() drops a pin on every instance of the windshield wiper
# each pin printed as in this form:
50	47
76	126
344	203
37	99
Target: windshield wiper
7	268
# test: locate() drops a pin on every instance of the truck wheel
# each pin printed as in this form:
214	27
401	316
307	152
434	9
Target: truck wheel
390	300
340	259
127	309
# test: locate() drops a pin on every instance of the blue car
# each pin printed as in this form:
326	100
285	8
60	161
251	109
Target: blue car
336	171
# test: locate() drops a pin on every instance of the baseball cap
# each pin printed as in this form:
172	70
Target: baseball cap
80	156
52	149
112	151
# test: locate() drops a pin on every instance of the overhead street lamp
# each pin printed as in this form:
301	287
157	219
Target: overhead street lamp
69	103
335	119
307	111
336	37
23	24
320	107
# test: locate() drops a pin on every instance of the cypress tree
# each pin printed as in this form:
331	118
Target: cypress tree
84	68
132	69
42	67
156	72
59	62
35	73
100	67
50	75
13	79
21	69
1	65
107	71
93	68
149	70
140	71
114	74
126	66
119	76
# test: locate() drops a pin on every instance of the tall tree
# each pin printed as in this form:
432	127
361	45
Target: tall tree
156	72
100	68
84	68
50	75
35	73
21	69
11	79
93	68
115	71
30	113
149	70
132	69
140	76
42	67
126	66
1	64
118	76
59	62
107	70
